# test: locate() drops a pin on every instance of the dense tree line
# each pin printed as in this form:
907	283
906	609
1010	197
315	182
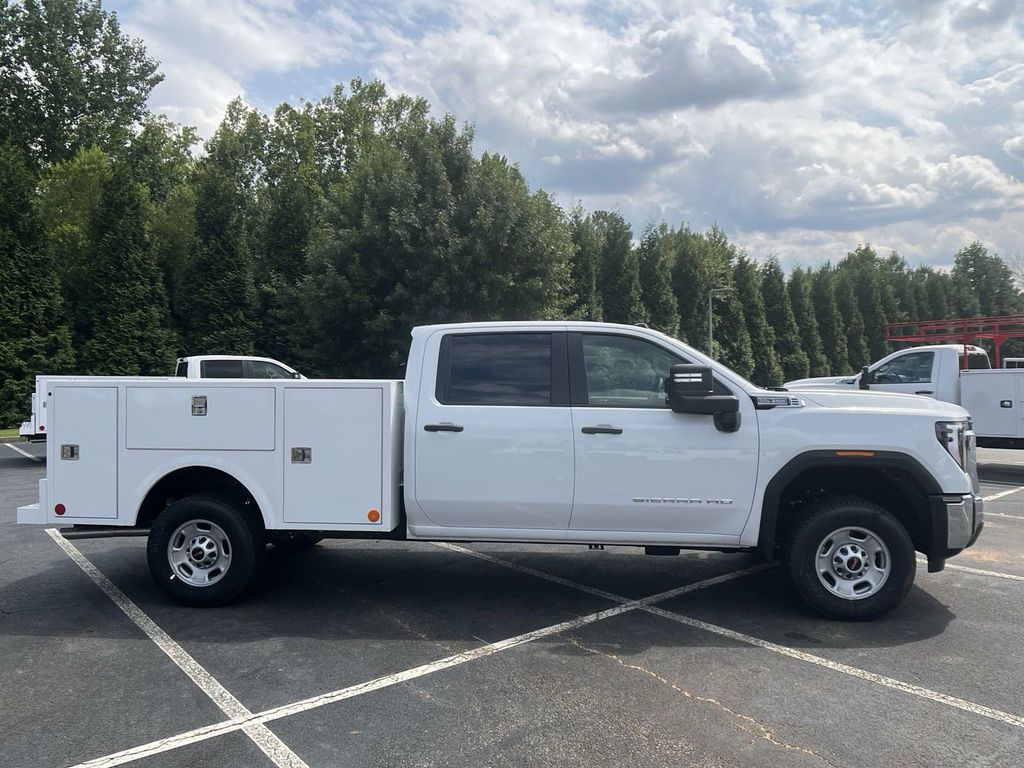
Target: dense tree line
322	233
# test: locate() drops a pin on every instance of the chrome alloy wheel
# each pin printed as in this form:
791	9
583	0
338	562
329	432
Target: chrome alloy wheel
853	563
199	553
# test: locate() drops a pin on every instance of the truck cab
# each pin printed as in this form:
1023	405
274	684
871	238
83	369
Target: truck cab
233	367
932	371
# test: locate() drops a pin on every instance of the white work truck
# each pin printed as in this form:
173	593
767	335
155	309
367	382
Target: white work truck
993	396
540	432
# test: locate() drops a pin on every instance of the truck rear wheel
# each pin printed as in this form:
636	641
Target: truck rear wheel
203	551
850	559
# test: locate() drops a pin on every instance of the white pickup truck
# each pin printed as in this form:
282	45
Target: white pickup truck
194	367
541	432
993	396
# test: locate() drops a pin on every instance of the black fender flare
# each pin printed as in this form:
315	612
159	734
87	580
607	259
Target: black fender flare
860	458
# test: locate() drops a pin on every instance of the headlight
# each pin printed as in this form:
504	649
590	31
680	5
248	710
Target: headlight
951	434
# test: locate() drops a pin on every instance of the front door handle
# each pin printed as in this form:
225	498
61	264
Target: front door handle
602	429
924	392
443	427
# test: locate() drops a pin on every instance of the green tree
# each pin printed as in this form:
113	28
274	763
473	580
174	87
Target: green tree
874	296
703	262
33	336
70	195
989	278
218	312
621	294
830	322
856	344
69	78
734	347
124	327
779	311
747	280
657	256
585	267
806	322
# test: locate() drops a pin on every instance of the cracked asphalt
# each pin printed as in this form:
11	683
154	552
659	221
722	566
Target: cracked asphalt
737	673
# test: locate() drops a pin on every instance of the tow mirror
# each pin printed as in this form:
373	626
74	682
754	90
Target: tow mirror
690	389
865	378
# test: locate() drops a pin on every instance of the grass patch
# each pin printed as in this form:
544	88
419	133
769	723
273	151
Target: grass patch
12	432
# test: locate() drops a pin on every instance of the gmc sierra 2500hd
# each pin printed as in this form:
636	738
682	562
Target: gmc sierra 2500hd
543	432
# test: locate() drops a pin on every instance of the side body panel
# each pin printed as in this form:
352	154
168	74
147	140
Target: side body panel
333	456
995	400
81	453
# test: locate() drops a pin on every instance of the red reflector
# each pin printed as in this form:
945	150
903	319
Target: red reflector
60	509
42	428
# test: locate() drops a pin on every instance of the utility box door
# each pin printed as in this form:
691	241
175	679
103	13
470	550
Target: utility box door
333	442
84	452
200	416
992	399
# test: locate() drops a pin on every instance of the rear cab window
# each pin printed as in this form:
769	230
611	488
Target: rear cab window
182	369
222	369
510	369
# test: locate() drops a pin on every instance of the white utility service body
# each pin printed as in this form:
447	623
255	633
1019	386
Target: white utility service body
519	432
194	367
993	396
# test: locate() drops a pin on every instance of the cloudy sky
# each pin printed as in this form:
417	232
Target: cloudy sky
802	128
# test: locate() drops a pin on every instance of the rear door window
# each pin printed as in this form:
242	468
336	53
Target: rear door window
496	369
222	369
182	369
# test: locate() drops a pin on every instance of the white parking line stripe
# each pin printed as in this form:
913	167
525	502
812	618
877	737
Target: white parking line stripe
240	723
820	661
976	571
980	572
1000	495
26	454
1001	514
846	669
271	745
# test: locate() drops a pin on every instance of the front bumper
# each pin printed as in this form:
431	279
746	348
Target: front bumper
957	521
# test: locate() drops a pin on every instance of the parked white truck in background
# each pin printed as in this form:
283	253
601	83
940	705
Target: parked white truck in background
195	367
993	396
540	432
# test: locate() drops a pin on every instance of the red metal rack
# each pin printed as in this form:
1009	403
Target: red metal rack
960	330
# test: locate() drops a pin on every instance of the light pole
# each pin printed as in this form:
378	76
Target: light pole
711	326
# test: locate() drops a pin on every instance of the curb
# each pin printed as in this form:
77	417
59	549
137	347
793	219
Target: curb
12	439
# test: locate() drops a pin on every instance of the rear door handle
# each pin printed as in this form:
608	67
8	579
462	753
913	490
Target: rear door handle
602	429
443	427
924	392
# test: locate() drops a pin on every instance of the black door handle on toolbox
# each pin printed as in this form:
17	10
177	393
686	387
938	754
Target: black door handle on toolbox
924	392
443	427
602	429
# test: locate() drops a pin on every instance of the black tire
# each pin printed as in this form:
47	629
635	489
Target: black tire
242	541
294	541
814	537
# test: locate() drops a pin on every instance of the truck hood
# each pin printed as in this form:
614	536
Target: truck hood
857	400
822	382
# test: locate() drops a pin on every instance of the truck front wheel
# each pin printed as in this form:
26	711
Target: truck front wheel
850	559
203	551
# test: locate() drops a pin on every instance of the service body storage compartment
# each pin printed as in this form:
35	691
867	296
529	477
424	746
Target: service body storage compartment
334	460
82	451
314	454
994	399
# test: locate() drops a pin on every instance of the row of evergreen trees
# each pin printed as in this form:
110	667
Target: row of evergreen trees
321	234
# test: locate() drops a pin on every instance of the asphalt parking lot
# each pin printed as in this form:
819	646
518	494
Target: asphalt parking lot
398	654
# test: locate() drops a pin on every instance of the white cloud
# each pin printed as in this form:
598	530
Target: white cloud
802	127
